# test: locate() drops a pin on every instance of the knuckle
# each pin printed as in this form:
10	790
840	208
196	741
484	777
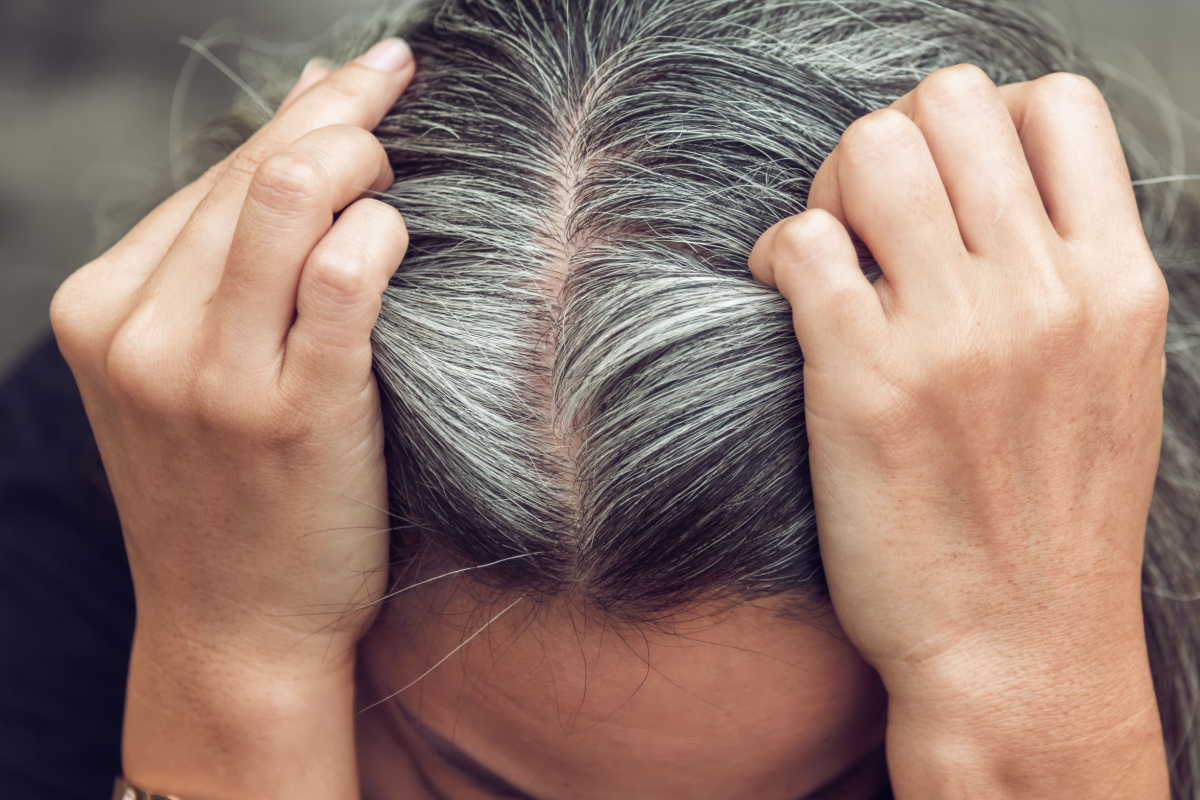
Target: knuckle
878	132
797	235
1067	87
151	373
65	308
287	181
1159	295
1146	300
71	314
962	83
804	237
339	272
243	164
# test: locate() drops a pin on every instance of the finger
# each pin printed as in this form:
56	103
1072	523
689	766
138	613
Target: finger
1075	155
979	157
826	192
315	71
891	195
289	209
339	298
141	250
812	261
102	294
358	94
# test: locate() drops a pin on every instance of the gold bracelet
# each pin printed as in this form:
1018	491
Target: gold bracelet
123	791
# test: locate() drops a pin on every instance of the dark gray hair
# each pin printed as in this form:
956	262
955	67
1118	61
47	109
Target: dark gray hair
585	393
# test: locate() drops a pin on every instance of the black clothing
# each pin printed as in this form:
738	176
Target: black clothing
66	599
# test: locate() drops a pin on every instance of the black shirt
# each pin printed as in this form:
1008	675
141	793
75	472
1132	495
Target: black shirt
66	600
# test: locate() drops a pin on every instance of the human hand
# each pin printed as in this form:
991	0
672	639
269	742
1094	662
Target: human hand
223	353
984	426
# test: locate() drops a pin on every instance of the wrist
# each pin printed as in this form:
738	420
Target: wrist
1029	728
204	725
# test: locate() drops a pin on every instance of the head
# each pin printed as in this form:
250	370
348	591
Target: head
607	574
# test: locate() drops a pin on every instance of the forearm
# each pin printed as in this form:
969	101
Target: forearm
1050	733
207	728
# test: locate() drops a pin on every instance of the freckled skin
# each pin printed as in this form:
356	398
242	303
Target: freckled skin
729	704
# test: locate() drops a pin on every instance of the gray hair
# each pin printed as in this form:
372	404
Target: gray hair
584	390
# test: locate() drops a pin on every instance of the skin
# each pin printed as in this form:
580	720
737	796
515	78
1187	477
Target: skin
726	703
999	391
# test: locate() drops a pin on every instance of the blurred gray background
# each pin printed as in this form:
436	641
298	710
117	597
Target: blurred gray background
86	89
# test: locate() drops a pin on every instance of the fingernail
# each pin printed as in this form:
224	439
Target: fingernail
318	63
390	55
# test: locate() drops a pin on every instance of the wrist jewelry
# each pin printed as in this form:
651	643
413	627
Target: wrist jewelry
123	791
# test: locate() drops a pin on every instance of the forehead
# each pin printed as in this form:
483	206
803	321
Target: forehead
720	705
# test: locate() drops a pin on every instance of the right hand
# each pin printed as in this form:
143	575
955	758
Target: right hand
223	353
